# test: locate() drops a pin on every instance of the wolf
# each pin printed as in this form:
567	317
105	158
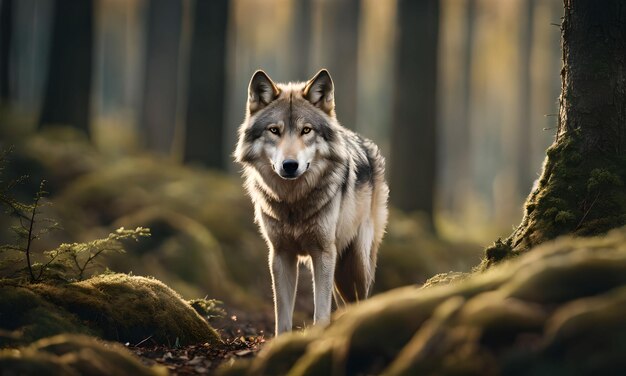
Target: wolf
318	190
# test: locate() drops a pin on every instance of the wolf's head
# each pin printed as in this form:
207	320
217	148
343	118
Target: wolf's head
289	128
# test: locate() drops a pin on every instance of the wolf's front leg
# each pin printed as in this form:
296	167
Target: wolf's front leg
323	274
284	271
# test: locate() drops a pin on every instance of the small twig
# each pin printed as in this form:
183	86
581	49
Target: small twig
89	259
30	237
80	270
144	340
45	266
587	212
13	207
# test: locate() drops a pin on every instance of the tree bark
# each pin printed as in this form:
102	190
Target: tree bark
581	190
204	133
68	87
413	134
158	118
6	33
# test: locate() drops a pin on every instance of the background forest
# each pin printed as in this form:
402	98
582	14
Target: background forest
127	111
171	77
130	108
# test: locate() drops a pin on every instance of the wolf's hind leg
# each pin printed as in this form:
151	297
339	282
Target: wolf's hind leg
284	271
354	273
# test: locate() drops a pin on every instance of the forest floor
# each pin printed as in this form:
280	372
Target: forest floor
244	334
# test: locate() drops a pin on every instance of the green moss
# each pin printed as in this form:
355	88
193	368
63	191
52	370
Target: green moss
283	354
581	195
317	361
115	306
550	212
556	310
603	178
564	217
29	317
574	159
73	355
444	279
498	251
208	308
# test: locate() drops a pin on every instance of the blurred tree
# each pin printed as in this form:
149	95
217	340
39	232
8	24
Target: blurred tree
158	117
338	34
6	32
581	189
301	39
204	134
525	173
459	150
413	134
67	92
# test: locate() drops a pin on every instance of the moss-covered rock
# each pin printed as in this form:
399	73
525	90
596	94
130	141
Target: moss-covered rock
26	316
114	306
73	355
556	310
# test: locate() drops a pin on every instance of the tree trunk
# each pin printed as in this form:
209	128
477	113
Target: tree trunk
158	117
581	190
6	32
413	134
460	145
339	42
68	87
204	133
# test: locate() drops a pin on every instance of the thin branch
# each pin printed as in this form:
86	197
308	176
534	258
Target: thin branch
30	237
45	266
587	212
89	259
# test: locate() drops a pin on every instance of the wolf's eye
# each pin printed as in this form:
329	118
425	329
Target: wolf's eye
273	130
306	130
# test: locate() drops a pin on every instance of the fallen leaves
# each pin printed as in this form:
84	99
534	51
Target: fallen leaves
242	338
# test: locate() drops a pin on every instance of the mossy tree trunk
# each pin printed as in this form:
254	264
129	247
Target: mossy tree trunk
581	189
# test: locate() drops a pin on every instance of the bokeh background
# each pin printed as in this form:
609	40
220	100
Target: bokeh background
129	109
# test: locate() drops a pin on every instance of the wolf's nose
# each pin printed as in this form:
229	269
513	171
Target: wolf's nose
290	166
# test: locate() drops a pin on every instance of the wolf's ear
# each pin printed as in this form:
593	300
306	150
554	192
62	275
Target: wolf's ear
320	91
261	91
